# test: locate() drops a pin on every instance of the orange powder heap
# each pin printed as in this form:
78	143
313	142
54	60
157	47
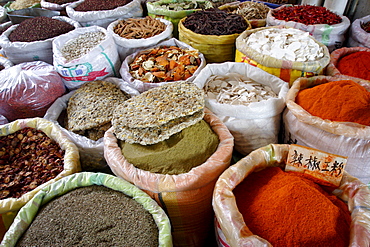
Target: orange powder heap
289	210
343	101
356	64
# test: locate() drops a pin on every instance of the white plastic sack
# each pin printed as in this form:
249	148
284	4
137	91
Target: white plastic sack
41	50
103	18
257	124
333	36
100	62
91	152
358	36
126	47
142	86
54	6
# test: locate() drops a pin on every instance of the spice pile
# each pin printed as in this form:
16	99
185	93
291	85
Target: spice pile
22	4
356	64
251	10
342	101
28	158
97	5
236	89
91	107
92	216
81	45
141	28
288	209
215	22
366	26
165	63
60	2
286	44
185	5
307	14
39	28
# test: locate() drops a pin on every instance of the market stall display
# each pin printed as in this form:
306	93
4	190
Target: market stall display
285	52
59	5
92	201
213	32
359	33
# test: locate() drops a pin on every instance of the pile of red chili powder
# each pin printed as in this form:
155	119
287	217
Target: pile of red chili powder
289	210
356	64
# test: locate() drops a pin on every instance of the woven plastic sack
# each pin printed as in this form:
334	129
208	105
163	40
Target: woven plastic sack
215	48
257	124
100	62
126	47
41	50
357	35
230	222
10	206
347	139
286	70
336	55
103	18
54	6
144	86
185	197
91	152
156	10
26	215
333	36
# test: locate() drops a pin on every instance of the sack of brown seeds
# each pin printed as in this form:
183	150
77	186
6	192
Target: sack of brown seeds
91	110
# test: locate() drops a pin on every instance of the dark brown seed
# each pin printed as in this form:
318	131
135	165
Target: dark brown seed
96	5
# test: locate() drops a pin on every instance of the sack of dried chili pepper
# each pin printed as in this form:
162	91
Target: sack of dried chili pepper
358	33
325	26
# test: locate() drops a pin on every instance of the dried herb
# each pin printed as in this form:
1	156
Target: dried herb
366	26
39	28
97	5
215	22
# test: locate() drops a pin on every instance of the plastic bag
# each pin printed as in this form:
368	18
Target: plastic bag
257	124
230	221
347	139
10	206
333	36
28	89
143	86
215	48
104	17
335	56
186	197
357	35
286	70
126	47
100	62
41	50
26	215
91	152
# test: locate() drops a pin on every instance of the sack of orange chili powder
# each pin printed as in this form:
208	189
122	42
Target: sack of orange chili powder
348	139
231	229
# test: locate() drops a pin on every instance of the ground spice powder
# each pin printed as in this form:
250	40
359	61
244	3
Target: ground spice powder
356	64
343	101
290	210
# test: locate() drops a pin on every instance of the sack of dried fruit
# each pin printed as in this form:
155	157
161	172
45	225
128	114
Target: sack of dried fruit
134	34
31	40
247	99
213	32
102	13
337	126
165	142
175	10
324	25
285	52
359	32
229	198
41	155
85	114
85	54
168	61
28	89
91	209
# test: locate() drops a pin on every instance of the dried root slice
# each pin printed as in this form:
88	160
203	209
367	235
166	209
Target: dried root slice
158	113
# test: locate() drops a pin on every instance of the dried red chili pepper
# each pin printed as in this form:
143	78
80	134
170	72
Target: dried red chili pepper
307	14
366	26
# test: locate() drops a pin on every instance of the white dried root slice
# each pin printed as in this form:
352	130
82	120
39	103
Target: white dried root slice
236	89
158	113
92	105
